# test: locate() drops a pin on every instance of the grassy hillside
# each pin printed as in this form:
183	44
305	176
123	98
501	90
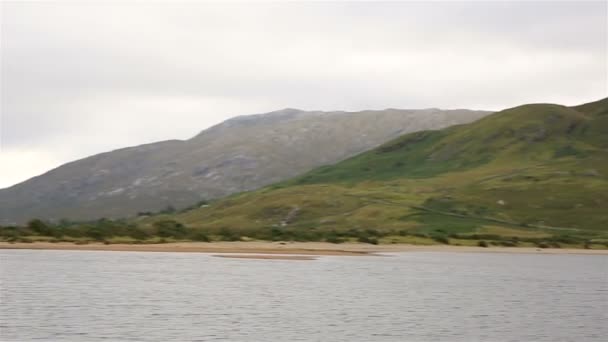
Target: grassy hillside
535	172
534	175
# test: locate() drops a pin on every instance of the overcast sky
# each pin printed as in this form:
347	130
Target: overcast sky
79	79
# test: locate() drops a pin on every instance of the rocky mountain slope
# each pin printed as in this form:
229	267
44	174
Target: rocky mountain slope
239	154
537	172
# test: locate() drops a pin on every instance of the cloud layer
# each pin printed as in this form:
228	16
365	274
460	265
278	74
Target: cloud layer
79	79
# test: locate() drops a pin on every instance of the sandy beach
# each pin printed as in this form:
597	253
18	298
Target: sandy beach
290	248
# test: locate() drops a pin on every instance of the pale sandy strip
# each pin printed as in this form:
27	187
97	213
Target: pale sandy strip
300	248
266	256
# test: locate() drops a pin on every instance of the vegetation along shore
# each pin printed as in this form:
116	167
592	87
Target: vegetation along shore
273	250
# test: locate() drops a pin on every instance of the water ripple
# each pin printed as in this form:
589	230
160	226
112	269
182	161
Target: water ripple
128	296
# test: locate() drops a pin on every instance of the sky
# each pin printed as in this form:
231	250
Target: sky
78	79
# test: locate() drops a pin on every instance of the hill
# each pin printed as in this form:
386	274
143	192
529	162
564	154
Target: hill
240	154
532	174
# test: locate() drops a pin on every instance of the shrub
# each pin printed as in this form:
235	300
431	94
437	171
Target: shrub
372	232
276	234
478	236
228	235
568	150
9	232
170	228
40	228
73	231
542	245
137	233
95	232
441	239
421	235
403	232
370	240
567	239
482	243
307	234
334	239
508	243
200	236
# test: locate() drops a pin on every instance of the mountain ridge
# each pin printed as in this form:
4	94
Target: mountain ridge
538	172
241	153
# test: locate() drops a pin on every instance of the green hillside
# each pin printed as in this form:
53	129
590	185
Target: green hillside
534	175
534	172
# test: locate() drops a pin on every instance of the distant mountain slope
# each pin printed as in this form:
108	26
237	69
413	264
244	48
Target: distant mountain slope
534	170
535	133
240	154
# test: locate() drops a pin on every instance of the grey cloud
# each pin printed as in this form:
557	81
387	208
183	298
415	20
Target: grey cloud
82	78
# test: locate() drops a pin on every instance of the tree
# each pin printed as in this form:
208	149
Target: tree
227	234
40	228
200	236
170	228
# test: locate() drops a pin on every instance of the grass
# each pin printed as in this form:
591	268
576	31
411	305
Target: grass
410	239
531	175
533	171
510	232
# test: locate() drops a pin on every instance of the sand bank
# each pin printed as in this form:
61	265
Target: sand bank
295	248
266	256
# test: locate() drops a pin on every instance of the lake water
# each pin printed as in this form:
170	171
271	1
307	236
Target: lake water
134	296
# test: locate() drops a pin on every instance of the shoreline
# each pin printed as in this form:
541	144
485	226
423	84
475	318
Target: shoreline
291	248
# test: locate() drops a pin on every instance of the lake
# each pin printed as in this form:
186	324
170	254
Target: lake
424	296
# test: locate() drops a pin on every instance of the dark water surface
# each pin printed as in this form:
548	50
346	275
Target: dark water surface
424	296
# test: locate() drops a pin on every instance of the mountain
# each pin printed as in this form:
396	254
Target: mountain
533	171
239	154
